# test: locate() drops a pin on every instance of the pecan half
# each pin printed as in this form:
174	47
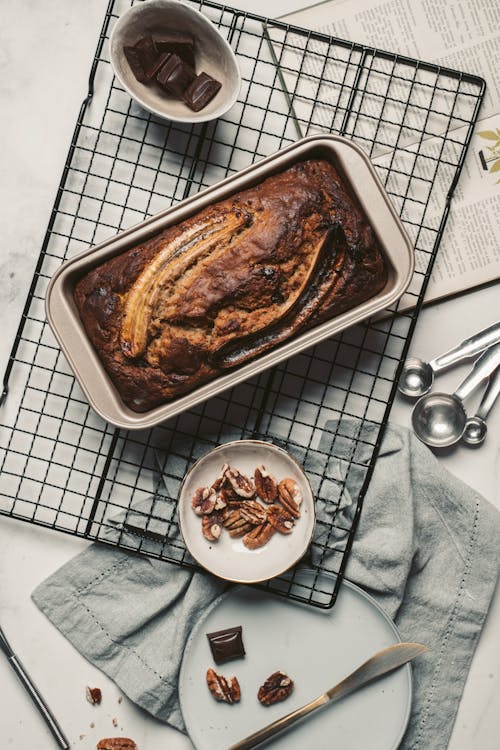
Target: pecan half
259	536
203	501
290	496
276	688
225	689
229	496
265	484
253	512
219	482
241	484
220	502
93	695
280	519
236	524
211	527
116	743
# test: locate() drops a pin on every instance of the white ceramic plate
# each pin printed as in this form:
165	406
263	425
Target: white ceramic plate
317	648
228	558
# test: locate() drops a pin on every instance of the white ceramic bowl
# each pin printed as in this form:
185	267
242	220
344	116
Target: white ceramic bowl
228	557
212	52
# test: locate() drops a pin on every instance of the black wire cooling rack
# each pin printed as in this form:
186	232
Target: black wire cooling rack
63	467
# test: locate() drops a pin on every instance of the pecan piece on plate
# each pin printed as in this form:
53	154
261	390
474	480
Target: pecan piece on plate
258	536
276	688
93	695
229	496
290	496
241	484
265	484
203	501
211	527
225	689
219	482
236	524
116	743
280	519
253	512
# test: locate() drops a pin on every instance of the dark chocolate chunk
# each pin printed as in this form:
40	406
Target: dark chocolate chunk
134	60
201	91
160	61
148	55
175	76
176	43
226	644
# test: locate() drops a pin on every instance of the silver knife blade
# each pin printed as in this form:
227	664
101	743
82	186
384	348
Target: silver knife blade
379	664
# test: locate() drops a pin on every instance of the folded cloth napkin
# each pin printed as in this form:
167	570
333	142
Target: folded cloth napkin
427	549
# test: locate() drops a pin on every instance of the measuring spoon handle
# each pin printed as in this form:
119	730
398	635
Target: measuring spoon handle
483	367
467	348
490	395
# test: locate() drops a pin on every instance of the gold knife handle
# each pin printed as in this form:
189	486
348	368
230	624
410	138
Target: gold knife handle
277	726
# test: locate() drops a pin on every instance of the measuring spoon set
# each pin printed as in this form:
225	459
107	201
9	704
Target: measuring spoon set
439	419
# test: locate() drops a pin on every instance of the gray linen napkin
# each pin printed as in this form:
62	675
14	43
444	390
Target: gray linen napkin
427	549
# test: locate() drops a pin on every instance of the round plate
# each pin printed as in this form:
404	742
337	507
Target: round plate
228	558
316	648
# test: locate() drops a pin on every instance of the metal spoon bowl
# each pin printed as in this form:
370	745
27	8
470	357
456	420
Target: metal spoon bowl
475	431
416	378
439	419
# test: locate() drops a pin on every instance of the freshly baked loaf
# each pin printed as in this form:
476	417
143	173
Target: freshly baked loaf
229	283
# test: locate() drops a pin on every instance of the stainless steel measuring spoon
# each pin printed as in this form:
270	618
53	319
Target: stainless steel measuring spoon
439	419
475	427
417	376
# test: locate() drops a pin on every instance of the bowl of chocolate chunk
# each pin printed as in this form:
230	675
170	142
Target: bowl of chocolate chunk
246	511
174	62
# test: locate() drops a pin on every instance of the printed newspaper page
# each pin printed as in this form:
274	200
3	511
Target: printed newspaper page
460	35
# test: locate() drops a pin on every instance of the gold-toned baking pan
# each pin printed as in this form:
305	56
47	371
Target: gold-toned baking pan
359	176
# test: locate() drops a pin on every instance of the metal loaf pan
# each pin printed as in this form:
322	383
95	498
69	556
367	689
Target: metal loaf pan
360	178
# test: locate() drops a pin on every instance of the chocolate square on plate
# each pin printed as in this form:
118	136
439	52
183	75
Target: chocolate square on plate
226	644
201	91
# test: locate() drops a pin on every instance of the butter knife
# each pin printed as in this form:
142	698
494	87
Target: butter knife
379	664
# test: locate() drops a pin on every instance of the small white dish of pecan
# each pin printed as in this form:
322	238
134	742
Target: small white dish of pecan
246	511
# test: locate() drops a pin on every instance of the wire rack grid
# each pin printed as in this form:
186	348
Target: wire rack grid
63	467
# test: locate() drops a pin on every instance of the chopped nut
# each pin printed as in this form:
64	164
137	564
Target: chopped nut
280	519
203	501
116	743
240	483
220	503
276	688
211	528
229	496
220	481
93	695
224	689
236	524
290	496
265	485
253	512
259	536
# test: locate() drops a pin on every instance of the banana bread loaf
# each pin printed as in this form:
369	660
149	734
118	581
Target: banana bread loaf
229	283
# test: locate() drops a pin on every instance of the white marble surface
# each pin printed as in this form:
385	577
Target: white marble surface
45	54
